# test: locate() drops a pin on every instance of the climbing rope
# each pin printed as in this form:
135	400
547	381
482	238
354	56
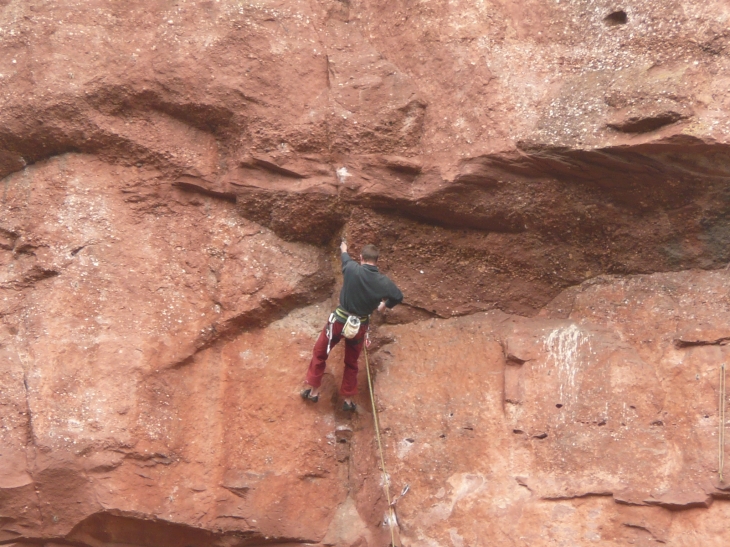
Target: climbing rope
386	480
721	448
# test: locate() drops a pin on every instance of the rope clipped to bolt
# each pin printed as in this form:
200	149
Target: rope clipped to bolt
386	480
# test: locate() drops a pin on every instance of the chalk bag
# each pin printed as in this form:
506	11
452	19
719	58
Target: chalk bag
352	327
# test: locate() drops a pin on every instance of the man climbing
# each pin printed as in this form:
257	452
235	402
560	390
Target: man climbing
364	290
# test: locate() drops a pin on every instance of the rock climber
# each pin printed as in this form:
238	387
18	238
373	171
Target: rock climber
364	290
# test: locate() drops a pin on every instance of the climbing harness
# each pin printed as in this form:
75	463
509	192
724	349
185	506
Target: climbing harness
386	479
343	315
351	328
721	448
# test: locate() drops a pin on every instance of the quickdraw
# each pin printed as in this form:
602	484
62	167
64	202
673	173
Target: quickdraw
330	324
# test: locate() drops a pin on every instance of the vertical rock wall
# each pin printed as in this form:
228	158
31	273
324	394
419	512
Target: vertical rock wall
547	181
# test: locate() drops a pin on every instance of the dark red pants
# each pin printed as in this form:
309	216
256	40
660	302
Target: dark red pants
353	347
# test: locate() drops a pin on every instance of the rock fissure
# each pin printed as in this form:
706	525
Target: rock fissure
679	343
30	440
31	443
578	496
192	187
644	529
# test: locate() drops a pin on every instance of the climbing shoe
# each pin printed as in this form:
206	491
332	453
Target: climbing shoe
307	395
348	407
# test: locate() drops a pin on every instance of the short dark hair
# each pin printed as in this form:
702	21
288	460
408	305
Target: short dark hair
370	253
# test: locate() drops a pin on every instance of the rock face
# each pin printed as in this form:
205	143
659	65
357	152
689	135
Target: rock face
548	183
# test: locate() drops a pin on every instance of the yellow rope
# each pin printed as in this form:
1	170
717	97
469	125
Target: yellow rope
386	480
721	448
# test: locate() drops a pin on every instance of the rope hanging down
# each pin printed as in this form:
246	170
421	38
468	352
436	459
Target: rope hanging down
721	448
386	479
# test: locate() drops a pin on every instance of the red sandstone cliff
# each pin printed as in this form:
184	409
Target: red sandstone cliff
548	181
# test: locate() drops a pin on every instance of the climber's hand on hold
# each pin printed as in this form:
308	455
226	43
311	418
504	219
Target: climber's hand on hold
343	247
382	307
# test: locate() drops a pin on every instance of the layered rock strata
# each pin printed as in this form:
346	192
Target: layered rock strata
547	181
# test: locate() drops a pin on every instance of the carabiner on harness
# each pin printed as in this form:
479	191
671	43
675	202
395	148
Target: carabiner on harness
330	324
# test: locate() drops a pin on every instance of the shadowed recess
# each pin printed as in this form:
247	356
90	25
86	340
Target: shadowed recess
105	530
616	18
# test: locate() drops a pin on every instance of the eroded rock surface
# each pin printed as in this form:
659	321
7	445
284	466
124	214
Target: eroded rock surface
547	180
569	428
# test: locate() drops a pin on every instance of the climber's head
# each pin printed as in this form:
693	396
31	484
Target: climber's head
369	254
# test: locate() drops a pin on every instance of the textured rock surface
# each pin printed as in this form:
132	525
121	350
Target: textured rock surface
549	184
564	429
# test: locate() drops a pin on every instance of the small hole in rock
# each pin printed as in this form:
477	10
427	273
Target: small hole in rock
616	18
559	405
442	436
342	441
632	407
657	422
517	431
410	440
540	436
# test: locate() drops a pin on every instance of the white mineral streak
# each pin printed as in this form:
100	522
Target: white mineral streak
343	174
563	345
